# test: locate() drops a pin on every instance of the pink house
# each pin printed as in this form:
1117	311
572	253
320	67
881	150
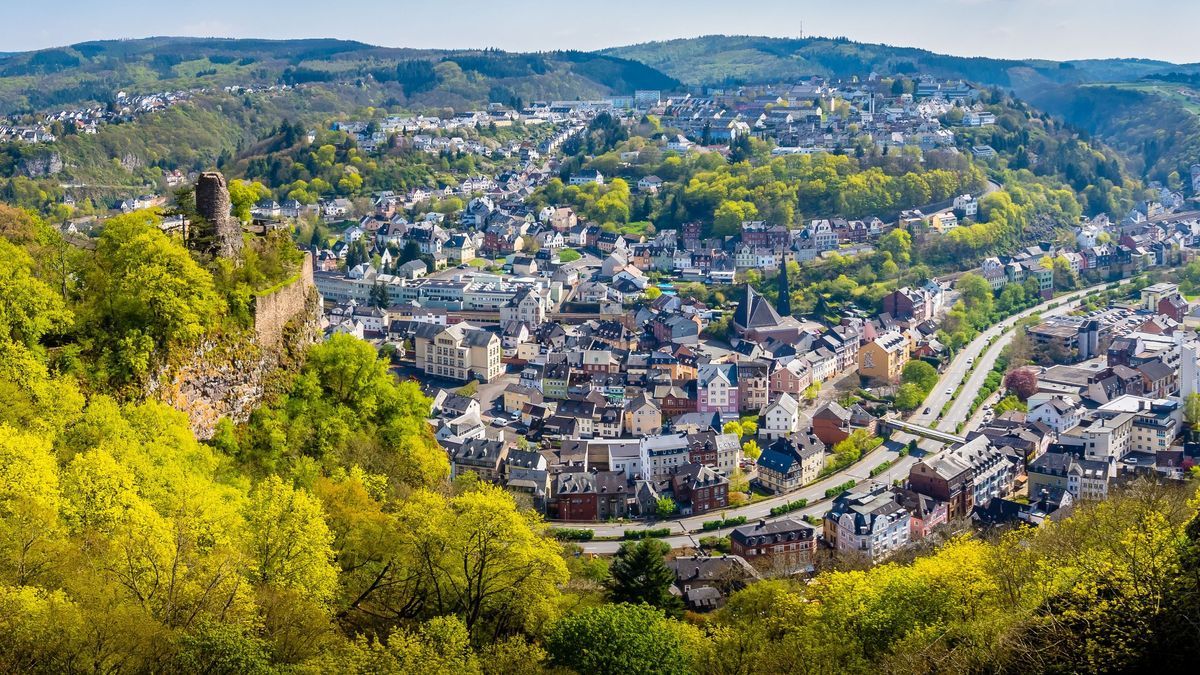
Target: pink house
717	389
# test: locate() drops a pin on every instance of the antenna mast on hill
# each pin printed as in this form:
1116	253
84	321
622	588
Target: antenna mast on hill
801	29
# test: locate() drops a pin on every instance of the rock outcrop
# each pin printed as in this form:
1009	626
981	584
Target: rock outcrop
231	378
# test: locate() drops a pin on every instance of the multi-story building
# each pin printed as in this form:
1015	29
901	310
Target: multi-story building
526	306
1156	422
791	463
883	358
945	479
642	417
587	496
754	378
717	388
780	418
1084	479
459	352
789	541
1103	436
663	455
869	520
700	488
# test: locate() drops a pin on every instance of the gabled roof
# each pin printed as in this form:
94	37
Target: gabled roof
755	312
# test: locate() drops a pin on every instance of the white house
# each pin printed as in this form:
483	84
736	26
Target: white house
780	418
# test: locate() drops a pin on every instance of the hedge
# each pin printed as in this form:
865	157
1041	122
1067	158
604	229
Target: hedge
839	489
571	534
710	525
648	534
789	507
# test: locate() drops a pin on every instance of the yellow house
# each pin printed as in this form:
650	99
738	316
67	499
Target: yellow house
883	358
643	417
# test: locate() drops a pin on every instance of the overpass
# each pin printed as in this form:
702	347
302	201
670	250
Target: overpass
923	432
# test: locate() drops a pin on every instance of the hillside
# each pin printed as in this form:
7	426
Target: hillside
717	59
1154	123
94	71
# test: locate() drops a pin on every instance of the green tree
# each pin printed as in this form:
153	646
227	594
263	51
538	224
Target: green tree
909	397
921	374
639	574
615	639
290	544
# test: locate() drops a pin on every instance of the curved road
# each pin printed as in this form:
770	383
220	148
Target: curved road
687	531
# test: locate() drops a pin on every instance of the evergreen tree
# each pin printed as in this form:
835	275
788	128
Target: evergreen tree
784	303
379	296
640	574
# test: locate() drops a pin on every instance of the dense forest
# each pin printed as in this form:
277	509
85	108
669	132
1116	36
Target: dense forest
742	59
95	71
1159	134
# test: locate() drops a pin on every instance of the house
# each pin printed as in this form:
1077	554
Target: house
831	423
699	489
651	184
791	463
460	248
869	520
1059	413
642	417
585	496
705	581
792	378
883	359
789	542
585	177
526	306
780	418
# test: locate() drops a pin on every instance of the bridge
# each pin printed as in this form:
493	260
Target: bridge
923	432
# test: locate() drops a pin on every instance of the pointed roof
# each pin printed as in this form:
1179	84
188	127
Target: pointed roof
755	312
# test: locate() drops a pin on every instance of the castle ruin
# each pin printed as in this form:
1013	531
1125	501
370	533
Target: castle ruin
221	233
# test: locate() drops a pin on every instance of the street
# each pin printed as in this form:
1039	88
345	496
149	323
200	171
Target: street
688	530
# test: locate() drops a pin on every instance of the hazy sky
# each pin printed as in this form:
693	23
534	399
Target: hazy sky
1057	29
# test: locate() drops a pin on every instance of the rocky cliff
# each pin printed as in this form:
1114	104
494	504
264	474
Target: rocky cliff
231	378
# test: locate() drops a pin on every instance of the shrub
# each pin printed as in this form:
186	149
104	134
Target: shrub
789	507
657	533
572	534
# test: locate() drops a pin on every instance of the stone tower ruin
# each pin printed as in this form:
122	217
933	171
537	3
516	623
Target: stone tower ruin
221	233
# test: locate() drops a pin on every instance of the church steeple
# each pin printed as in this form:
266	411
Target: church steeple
784	304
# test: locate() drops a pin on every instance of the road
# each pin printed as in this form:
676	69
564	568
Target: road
686	532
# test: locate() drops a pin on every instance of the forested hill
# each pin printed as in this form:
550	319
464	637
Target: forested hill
95	71
717	59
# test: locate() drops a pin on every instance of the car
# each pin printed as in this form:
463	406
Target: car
463	266
927	411
949	392
500	422
516	414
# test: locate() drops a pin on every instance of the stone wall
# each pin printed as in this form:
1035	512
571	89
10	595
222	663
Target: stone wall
273	311
223	379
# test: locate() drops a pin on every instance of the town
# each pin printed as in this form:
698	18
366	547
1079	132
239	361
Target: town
716	354
577	366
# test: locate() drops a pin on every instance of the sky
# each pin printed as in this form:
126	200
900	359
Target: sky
1052	29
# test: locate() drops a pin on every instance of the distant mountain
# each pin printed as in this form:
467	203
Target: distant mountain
95	71
718	59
